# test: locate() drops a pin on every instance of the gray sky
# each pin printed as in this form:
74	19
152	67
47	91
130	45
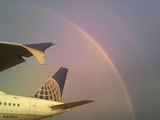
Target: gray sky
99	42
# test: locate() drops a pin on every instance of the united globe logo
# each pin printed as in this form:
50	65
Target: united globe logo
49	91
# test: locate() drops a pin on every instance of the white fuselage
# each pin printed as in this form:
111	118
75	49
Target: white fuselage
25	108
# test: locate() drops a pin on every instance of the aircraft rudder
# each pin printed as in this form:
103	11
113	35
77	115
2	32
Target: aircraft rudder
60	77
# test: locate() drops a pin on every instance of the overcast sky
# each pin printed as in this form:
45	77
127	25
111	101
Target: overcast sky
111	49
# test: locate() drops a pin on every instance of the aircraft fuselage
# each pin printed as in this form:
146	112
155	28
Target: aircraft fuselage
24	108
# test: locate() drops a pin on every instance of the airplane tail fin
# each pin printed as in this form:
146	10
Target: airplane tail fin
52	89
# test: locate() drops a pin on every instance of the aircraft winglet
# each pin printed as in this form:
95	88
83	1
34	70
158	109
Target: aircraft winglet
65	106
12	54
38	50
40	46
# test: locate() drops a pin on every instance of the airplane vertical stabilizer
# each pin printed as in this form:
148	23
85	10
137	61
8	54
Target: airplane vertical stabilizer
52	89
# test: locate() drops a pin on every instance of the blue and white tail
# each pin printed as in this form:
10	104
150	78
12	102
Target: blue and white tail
52	89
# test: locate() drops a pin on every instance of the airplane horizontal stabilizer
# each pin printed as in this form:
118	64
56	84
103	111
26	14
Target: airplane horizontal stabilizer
70	105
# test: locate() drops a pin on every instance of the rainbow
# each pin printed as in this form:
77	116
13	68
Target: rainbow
106	57
102	52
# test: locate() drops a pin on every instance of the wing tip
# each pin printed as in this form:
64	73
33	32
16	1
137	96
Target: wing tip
40	46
